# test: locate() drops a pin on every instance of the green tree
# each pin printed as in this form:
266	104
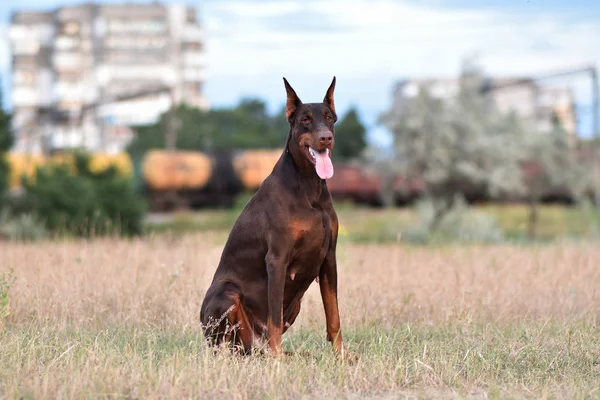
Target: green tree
280	126
551	165
454	144
246	126
350	140
6	142
76	200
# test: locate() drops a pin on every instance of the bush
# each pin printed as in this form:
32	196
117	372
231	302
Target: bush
24	227
4	177
593	216
6	282
460	225
71	198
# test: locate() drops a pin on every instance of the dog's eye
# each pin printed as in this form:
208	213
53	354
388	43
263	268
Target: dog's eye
305	120
329	118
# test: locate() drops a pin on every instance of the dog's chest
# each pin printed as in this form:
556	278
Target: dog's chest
312	239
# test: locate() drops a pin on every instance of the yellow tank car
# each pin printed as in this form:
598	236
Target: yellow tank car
253	166
164	170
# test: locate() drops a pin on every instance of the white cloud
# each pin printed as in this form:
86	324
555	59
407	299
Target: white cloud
369	44
380	41
406	38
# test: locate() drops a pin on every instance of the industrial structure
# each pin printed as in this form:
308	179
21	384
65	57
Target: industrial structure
535	104
70	63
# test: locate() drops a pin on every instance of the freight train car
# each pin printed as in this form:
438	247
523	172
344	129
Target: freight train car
253	166
355	183
24	165
193	179
189	179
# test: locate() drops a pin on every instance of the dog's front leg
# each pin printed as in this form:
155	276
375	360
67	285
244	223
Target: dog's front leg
328	286
276	271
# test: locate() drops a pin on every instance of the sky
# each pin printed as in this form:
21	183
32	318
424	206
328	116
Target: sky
371	44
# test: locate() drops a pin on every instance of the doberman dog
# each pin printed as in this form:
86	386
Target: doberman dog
284	239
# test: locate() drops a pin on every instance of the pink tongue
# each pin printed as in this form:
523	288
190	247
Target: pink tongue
324	166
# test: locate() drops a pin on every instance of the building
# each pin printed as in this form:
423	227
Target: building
69	63
536	104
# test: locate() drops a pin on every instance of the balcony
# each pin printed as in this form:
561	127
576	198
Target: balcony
24	78
67	61
66	91
160	73
42	34
132	42
149	26
25	61
193	58
193	75
29	47
66	43
138	111
192	33
24	97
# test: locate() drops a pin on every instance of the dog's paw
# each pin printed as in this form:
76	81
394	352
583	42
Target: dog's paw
345	356
278	354
349	358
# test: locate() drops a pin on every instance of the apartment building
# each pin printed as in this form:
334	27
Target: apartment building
69	63
534	103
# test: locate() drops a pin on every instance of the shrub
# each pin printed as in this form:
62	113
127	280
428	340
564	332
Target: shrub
6	282
24	227
460	225
72	198
4	177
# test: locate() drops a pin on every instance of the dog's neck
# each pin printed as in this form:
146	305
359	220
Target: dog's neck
298	179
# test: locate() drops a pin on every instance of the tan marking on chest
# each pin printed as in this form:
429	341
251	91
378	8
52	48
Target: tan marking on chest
299	228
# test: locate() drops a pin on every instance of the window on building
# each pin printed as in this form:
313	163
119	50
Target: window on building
24	77
69	28
192	46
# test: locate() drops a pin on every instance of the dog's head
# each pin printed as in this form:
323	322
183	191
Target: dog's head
312	134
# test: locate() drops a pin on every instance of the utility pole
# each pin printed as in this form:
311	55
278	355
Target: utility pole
172	125
175	38
596	133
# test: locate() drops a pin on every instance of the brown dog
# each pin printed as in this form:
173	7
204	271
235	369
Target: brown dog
284	239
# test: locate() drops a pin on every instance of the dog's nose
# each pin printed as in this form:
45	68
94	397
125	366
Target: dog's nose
326	139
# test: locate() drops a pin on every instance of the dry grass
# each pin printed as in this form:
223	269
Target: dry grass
111	319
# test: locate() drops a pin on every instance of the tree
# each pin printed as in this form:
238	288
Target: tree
454	145
350	136
551	165
6	142
71	197
246	126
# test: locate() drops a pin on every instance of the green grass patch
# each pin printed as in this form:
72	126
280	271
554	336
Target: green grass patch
369	225
520	360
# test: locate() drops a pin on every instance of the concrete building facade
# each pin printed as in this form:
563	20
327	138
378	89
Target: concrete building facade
536	104
69	63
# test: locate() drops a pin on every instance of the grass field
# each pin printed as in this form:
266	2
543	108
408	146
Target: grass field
111	318
369	225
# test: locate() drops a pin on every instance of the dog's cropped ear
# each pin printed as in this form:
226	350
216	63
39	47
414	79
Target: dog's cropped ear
329	97
293	101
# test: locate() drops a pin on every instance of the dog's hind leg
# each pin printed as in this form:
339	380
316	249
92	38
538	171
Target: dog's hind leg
244	334
290	314
225	320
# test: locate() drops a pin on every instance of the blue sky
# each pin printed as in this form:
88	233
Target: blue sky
370	44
